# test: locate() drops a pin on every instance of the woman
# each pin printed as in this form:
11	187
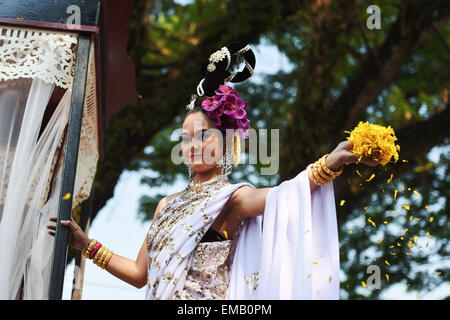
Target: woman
216	240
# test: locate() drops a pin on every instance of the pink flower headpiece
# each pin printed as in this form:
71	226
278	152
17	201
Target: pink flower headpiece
227	110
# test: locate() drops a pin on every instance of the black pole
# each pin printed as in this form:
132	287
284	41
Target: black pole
69	167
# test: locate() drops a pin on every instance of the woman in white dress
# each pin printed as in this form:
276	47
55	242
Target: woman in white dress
217	240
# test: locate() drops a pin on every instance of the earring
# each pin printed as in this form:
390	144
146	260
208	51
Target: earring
191	175
226	163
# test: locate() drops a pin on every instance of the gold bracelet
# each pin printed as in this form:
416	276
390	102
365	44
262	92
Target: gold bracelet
330	172
98	254
91	245
102	257
313	176
321	172
315	171
108	257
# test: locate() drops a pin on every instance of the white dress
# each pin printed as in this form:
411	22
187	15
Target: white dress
294	254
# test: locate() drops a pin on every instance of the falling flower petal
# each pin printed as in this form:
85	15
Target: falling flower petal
371	177
390	178
428	235
315	262
330	279
359	174
387	277
431	219
66	196
342	203
404	160
402	187
395	194
225	234
406	207
373	223
363	284
426	207
387	262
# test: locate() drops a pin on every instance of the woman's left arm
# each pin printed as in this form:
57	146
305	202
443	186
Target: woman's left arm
250	201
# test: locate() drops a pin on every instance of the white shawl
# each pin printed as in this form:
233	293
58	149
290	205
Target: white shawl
292	251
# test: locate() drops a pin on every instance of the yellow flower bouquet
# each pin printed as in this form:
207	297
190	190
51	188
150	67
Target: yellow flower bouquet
375	142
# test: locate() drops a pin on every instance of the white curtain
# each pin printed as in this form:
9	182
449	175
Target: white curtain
22	225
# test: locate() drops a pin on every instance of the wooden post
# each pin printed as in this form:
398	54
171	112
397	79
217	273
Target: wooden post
69	167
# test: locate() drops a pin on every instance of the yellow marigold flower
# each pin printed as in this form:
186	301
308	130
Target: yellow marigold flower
374	141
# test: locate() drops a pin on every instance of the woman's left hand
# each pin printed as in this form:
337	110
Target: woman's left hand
342	155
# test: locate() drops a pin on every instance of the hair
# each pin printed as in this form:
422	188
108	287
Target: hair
213	79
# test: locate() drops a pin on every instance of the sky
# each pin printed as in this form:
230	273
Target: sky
120	229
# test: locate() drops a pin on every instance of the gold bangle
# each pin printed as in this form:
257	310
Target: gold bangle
108	257
98	254
102	258
91	245
314	176
324	166
315	171
322	173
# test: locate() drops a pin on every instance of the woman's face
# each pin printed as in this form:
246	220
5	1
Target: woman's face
201	142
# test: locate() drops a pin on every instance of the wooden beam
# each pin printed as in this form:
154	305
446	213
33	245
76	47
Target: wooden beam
69	167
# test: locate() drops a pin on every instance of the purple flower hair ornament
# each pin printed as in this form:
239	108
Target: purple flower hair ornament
227	110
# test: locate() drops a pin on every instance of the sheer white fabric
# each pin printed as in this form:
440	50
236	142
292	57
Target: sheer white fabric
292	251
33	62
22	227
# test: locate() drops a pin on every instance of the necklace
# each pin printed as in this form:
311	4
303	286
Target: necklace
197	187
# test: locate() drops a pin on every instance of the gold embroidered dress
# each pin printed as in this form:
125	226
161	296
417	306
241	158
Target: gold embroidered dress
179	265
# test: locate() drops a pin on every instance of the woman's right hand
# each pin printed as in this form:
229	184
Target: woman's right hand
77	238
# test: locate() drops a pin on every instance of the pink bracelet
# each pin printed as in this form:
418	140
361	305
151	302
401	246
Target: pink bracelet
97	246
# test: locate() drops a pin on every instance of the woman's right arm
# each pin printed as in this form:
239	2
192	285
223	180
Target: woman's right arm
133	272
